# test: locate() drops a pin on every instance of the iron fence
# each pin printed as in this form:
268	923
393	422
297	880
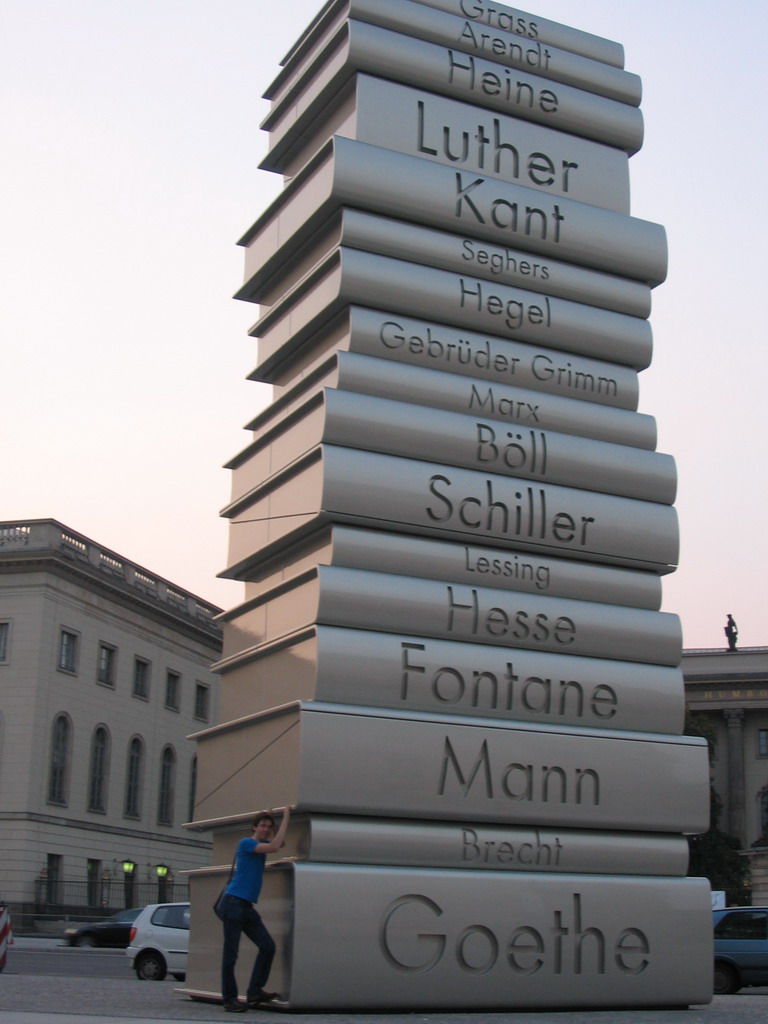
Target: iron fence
107	894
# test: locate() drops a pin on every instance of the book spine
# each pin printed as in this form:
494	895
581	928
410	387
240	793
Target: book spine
472	772
448	131
444	251
360	599
351	276
426	344
431	346
457	846
488	84
371	423
480	305
382	551
418	674
338	759
464	504
450	942
532	55
407	188
402	428
505	19
511	267
392	184
513	406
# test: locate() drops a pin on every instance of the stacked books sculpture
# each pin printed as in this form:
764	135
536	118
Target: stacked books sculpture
452	524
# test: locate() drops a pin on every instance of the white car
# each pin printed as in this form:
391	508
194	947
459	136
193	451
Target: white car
159	942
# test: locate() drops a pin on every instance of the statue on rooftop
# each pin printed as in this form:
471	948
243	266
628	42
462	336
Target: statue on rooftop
731	631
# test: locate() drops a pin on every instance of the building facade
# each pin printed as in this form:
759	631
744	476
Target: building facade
104	673
729	686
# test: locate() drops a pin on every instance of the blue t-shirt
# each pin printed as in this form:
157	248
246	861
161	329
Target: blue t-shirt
249	872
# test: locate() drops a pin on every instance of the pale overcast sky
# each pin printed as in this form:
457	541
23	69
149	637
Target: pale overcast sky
130	169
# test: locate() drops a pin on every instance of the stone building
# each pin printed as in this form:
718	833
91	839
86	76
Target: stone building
730	686
104	673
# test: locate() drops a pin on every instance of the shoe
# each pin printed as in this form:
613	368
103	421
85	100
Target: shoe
235	1007
261	997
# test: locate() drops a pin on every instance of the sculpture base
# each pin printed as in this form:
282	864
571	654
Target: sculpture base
375	938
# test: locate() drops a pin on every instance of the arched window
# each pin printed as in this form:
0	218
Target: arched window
192	789
99	771
58	776
167	786
133	773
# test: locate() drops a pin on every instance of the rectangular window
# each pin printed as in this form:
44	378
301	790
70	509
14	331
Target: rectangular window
68	651
202	701
141	679
762	742
5	638
93	870
53	879
172	690
105	673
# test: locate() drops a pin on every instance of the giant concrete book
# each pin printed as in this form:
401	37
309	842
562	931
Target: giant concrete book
333	484
471	563
514	406
426	675
394	603
452	845
462	34
327	839
433	127
498	16
337	759
466	354
353	277
352	45
521	25
349	173
270	273
458	393
370	423
354	938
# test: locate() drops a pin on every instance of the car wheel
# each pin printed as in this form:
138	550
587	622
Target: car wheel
150	966
85	940
726	980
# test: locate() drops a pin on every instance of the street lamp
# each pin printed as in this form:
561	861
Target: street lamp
129	870
161	870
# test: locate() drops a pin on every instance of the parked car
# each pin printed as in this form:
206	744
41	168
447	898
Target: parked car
114	931
159	942
741	948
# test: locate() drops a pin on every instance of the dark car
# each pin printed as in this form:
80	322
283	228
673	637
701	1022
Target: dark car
741	948
115	931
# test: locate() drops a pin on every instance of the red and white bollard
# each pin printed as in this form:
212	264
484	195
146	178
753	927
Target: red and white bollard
6	935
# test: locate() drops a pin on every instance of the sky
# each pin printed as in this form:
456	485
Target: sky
131	146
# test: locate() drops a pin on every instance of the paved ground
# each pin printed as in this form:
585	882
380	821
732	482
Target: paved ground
26	999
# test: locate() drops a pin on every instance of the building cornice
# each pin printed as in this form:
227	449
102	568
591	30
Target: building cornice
172	838
49	546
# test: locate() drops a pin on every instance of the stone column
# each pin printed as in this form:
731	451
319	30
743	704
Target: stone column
736	823
758	863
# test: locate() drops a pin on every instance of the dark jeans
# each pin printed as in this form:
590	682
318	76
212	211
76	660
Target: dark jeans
239	917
